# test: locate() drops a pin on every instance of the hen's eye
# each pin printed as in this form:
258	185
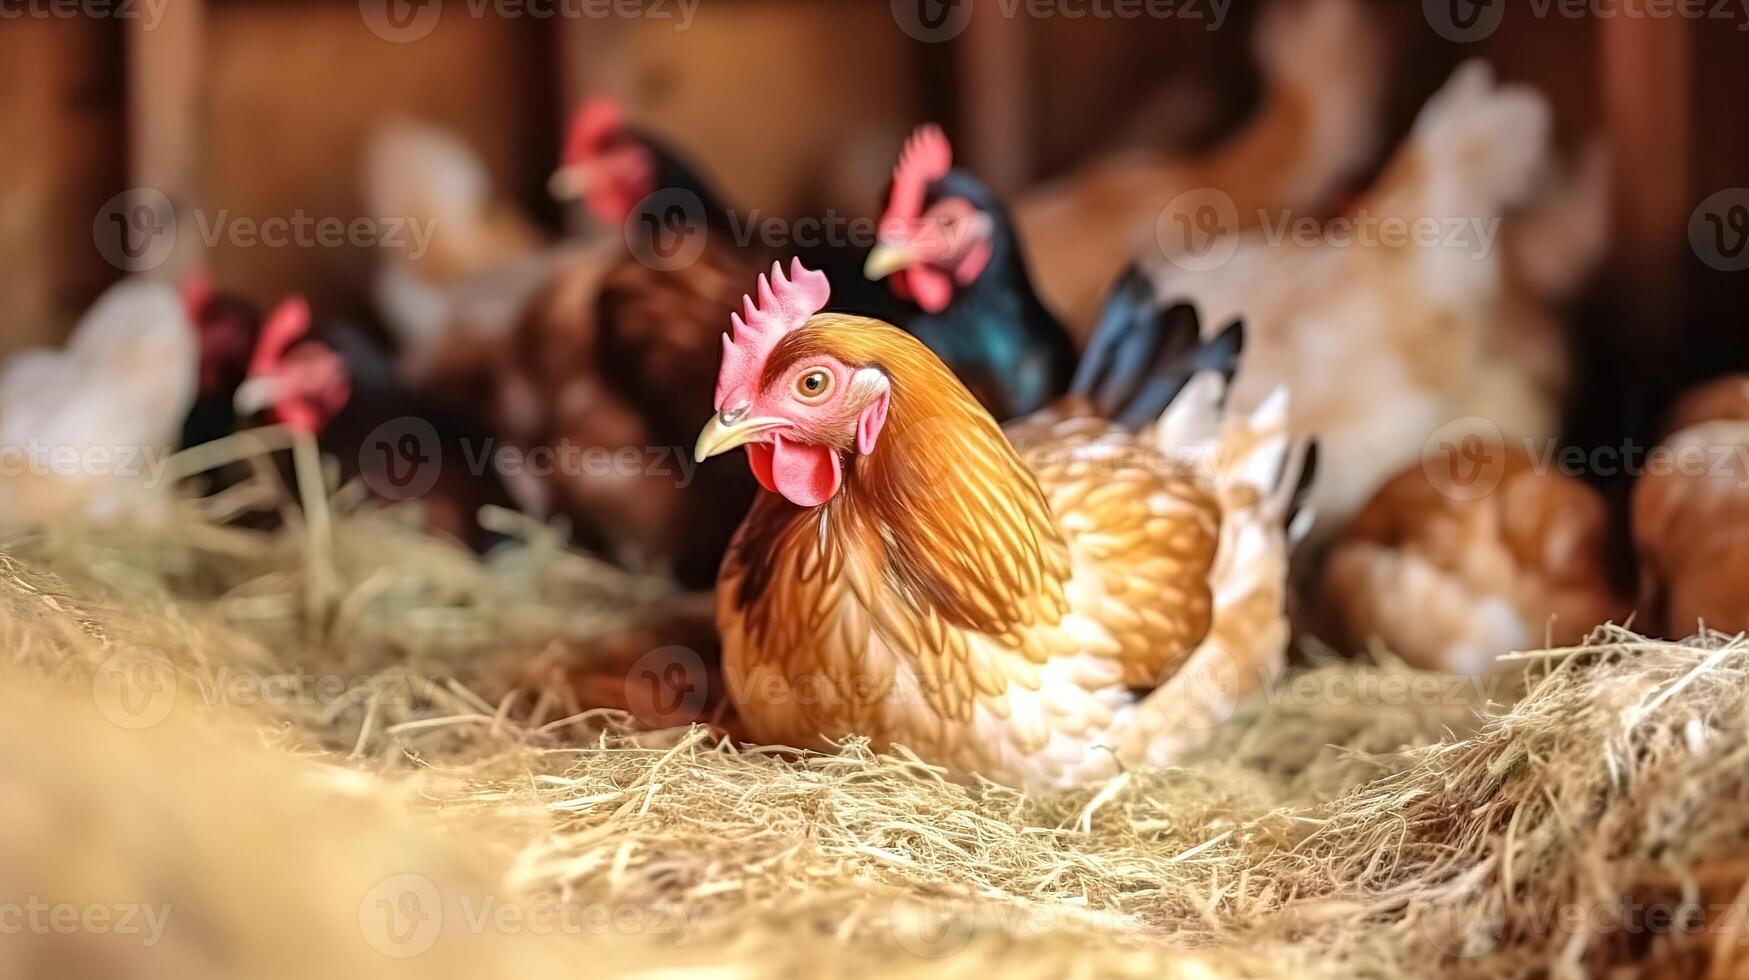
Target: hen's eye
813	385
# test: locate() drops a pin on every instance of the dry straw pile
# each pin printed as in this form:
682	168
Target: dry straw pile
371	799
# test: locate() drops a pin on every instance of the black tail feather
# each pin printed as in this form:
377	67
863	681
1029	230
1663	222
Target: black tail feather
1140	355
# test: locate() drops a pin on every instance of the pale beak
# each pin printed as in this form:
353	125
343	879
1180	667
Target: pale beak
254	395
884	260
569	182
720	437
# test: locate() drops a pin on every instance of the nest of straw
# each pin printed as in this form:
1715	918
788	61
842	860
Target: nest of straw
396	809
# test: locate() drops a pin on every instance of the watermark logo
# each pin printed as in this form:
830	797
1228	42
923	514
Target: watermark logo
1718	230
932	21
1198	230
38	916
402	916
929	927
1464	21
1465	459
401	458
149	13
400	21
135	688
135	230
668	686
667	230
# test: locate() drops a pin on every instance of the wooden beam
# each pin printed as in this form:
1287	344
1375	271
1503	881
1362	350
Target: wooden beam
1647	90
165	133
995	102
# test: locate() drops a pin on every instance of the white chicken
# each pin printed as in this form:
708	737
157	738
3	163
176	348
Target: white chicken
1411	319
86	431
482	263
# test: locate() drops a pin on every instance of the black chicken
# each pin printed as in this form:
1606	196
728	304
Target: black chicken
948	246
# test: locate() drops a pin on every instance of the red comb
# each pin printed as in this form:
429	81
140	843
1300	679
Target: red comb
288	321
589	126
197	291
783	306
926	158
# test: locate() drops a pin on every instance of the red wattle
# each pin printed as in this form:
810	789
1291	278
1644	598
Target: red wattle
806	475
759	460
927	287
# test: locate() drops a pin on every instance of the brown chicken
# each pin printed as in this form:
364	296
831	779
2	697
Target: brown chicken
1323	65
1038	606
1691	515
1472	554
597	383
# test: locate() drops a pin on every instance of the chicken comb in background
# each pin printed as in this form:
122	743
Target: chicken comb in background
1691	515
305	383
113	398
1458	561
925	158
592	123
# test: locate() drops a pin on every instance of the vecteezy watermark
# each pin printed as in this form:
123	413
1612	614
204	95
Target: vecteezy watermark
137	230
149	13
137	688
934	21
40	917
670	228
933	927
1468	21
148	464
1199	230
407	915
1456	933
404	21
403	458
1467	458
1474	236
1718	230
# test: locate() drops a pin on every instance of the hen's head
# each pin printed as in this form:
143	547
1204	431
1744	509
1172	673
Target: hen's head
936	233
606	164
304	383
796	389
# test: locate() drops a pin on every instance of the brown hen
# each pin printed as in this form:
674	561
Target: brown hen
1469	556
1691	515
1038	605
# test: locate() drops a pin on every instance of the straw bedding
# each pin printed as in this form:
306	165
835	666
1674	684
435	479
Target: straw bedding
373	798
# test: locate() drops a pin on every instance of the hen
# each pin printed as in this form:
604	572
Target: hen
948	246
1472	554
1691	514
1038	606
1323	66
1433	328
86	431
590	382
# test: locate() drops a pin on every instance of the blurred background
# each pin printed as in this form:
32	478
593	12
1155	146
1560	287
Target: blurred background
246	110
259	108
